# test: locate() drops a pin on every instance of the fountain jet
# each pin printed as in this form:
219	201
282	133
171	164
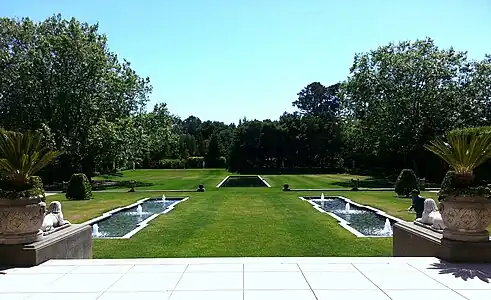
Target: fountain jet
387	228
95	230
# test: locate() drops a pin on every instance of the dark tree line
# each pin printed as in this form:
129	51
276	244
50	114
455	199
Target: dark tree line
59	77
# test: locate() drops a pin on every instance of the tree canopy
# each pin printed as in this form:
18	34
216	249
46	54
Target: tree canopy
59	78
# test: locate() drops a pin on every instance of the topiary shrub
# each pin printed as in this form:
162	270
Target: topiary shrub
79	188
406	182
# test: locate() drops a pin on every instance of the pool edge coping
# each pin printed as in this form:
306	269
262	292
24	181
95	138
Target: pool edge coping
345	224
219	185
140	225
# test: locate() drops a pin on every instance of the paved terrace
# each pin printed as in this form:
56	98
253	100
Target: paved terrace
249	278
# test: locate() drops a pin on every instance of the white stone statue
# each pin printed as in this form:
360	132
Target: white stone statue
431	215
53	217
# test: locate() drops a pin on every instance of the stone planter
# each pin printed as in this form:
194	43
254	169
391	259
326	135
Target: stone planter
466	218
21	220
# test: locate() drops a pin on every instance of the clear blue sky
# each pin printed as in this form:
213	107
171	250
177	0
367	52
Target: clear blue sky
226	59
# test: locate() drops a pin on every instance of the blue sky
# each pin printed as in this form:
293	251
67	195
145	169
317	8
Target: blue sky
226	59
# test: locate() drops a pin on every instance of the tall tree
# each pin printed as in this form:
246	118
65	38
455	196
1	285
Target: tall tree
60	73
400	96
317	99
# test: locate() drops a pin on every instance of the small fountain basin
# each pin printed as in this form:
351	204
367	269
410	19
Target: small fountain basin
361	220
126	221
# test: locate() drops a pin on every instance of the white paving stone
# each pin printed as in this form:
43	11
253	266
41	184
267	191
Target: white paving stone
369	278
203	281
338	281
63	296
327	267
134	296
79	283
268	267
161	282
351	295
215	268
475	294
158	269
424	294
283	295
26	283
207	295
275	281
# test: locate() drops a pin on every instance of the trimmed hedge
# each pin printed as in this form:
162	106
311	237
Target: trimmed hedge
406	182
193	162
79	188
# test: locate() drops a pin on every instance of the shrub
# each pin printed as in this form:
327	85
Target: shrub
222	162
452	185
406	182
195	162
79	188
33	187
169	163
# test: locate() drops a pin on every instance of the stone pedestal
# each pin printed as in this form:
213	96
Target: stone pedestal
411	240
73	242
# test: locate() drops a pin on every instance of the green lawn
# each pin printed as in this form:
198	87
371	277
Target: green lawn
191	178
237	221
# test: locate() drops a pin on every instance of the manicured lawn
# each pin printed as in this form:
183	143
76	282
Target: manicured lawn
191	178
237	221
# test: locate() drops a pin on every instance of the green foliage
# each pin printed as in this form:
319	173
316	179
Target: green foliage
33	187
59	74
452	185
172	164
79	188
464	149
401	96
406	182
195	162
21	156
319	100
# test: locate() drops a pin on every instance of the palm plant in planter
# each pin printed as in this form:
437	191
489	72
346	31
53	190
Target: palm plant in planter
21	195
465	206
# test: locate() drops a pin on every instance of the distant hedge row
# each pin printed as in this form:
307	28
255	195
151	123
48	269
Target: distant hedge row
195	162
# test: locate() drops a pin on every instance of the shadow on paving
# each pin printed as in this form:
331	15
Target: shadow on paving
464	271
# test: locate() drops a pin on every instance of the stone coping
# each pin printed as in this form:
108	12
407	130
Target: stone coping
140	225
258	176
345	224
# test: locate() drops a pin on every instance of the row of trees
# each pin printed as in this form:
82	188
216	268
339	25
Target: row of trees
59	77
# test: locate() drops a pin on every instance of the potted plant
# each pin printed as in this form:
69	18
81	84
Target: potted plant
465	206
21	194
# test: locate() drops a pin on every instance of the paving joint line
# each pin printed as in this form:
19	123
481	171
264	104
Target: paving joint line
371	281
308	283
179	280
437	281
124	273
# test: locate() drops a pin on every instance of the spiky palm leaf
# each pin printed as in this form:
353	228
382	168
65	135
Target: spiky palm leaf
465	149
23	154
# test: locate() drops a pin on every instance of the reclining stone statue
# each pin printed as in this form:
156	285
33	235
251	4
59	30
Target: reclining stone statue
431	216
53	217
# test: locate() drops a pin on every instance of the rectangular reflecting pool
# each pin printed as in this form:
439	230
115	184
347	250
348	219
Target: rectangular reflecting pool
125	222
363	221
243	181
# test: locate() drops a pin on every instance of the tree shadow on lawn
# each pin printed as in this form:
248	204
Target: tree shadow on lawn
367	183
